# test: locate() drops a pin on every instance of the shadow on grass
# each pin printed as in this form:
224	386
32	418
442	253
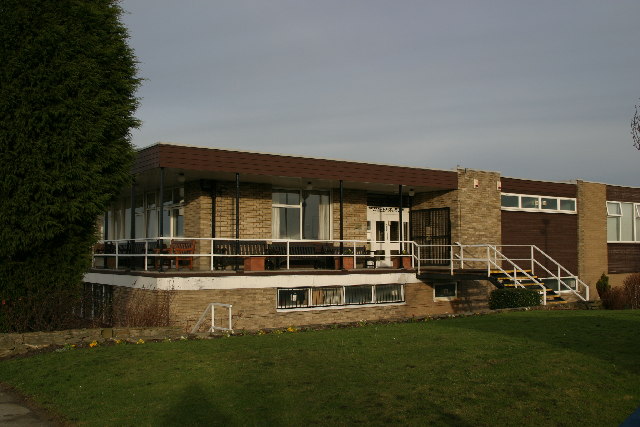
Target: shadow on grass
193	407
611	336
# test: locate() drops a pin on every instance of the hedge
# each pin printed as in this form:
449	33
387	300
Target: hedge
513	298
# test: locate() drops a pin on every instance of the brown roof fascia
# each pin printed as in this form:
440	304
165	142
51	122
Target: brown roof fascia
218	160
538	188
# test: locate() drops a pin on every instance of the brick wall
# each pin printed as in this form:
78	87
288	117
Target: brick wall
355	214
592	233
255	308
479	216
475	212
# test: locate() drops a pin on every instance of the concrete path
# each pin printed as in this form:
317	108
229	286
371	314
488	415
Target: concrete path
14	412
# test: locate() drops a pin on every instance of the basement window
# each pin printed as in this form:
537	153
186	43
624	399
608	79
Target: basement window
445	291
339	296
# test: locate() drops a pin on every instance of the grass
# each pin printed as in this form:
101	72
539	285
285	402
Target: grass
521	368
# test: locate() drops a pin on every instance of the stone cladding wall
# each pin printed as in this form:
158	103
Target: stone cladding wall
474	211
255	308
592	234
355	214
12	344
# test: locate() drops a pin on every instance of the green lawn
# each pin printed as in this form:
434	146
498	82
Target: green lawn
531	368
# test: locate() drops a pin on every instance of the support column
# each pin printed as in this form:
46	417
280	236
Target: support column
341	223
400	225
237	220
133	211
161	219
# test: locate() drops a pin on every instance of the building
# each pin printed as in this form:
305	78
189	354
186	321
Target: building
295	241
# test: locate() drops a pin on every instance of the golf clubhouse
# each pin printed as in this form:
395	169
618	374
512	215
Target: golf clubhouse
249	240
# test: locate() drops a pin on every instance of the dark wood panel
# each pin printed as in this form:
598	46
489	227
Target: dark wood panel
540	188
624	257
623	194
555	234
207	159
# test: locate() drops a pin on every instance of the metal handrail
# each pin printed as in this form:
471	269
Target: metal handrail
211	307
350	246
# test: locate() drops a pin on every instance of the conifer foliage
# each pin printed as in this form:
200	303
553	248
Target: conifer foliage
67	99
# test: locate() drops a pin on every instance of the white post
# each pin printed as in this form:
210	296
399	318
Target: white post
230	316
146	251
532	263
354	254
287	255
213	319
211	252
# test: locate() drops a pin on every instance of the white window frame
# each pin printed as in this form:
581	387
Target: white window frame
449	298
309	297
539	204
634	221
300	207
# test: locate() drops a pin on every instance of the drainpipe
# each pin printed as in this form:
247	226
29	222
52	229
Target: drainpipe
214	192
161	219
132	222
237	219
341	222
133	211
400	219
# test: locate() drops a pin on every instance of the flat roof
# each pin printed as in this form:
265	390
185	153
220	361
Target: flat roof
205	159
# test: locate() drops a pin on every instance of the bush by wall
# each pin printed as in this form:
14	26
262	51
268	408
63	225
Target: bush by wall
602	285
623	297
513	297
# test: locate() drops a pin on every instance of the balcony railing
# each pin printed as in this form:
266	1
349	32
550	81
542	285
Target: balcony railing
224	254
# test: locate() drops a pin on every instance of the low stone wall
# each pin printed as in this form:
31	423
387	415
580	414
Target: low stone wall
12	344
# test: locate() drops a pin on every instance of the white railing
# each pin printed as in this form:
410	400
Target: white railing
212	308
222	252
538	258
490	257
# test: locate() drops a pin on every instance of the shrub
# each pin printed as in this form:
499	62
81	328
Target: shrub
513	298
144	307
615	299
602	285
632	290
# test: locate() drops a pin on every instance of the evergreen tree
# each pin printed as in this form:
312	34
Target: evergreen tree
67	99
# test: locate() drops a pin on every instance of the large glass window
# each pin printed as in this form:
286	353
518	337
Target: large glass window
147	215
300	214
623	222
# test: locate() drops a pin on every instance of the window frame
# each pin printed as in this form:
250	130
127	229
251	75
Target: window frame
445	298
635	221
300	207
540	203
342	290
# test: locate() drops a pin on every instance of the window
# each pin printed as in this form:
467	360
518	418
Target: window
329	296
623	222
146	216
300	214
445	291
526	202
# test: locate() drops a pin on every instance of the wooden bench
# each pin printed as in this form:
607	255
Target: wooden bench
181	249
301	254
244	248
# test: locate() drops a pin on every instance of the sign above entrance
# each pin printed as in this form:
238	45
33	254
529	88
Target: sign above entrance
384	209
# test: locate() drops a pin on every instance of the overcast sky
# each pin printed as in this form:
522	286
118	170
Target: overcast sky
536	89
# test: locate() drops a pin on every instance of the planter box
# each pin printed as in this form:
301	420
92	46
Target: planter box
402	262
254	263
347	263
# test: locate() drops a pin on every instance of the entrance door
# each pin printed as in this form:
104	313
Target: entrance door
383	232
